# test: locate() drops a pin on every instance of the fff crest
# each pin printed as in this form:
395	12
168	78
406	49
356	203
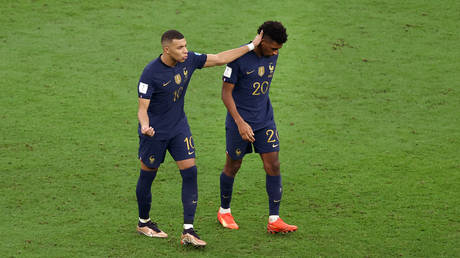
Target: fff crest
177	78
271	67
151	159
185	72
238	152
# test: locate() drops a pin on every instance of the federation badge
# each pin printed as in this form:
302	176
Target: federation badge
177	78
238	152
261	71
151	159
185	72
271	68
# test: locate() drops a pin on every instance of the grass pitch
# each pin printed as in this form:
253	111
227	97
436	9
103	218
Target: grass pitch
366	98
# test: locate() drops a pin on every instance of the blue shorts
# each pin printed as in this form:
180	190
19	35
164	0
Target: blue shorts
266	140
152	151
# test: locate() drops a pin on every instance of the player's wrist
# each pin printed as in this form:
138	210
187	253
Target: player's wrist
239	122
250	46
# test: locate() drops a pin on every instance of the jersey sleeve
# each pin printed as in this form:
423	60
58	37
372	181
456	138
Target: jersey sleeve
231	72
145	87
198	59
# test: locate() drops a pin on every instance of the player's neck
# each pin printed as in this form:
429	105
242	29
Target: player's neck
258	51
168	60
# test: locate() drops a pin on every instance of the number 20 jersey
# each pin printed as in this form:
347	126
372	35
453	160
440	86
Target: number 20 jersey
252	76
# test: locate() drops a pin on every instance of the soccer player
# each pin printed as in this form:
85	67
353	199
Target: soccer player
250	122
163	126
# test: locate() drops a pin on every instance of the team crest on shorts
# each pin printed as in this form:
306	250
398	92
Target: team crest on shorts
238	152
151	159
177	78
261	71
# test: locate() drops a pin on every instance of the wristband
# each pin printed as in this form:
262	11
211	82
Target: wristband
250	46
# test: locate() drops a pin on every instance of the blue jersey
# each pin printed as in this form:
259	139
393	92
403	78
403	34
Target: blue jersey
252	76
166	86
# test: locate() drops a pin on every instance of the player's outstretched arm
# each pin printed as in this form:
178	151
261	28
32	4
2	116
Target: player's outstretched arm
244	128
144	117
232	54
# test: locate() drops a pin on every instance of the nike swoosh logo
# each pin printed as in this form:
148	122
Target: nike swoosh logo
190	152
250	72
275	145
166	83
194	202
276	200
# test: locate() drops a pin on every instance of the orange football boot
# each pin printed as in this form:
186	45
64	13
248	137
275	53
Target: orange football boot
226	219
279	226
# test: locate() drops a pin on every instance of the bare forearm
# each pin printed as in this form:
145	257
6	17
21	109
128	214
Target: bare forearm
228	56
244	128
231	108
143	118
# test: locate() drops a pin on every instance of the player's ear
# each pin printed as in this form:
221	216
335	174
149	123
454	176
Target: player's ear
262	42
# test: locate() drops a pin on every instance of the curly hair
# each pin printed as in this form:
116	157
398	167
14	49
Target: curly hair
275	30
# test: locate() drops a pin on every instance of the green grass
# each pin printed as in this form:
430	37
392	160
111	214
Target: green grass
366	97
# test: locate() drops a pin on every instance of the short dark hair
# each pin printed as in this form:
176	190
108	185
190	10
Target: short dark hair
170	35
275	30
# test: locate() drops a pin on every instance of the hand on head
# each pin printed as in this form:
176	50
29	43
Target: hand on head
258	38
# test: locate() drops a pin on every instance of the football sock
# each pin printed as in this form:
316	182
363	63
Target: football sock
223	211
144	220
273	218
188	226
274	191
226	189
189	193
143	192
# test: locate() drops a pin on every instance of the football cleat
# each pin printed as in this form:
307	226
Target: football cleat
150	229
226	219
189	236
279	226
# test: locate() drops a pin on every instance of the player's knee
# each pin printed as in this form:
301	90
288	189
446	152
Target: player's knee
272	167
232	167
145	168
236	166
186	164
